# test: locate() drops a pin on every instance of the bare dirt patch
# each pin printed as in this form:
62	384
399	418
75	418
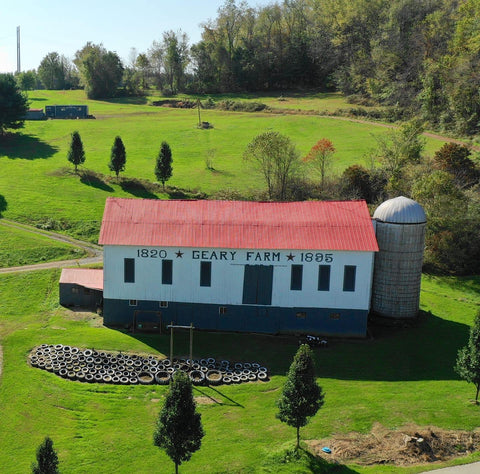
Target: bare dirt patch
406	446
206	400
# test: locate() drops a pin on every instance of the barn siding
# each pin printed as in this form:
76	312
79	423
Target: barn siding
241	318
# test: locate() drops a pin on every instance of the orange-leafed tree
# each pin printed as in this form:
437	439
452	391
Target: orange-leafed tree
320	156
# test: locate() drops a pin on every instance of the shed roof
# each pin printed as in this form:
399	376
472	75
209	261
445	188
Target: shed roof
323	225
86	277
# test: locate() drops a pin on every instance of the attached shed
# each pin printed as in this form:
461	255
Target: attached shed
81	287
239	266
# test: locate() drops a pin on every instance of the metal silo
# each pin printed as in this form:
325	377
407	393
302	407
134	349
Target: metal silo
400	230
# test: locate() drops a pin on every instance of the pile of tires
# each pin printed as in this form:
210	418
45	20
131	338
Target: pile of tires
93	366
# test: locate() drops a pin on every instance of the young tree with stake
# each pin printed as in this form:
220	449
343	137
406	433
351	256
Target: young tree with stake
76	154
163	167
118	156
179	428
301	396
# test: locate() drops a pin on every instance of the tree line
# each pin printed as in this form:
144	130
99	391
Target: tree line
414	57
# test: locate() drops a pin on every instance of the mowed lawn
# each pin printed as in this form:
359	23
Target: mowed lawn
398	376
19	247
37	182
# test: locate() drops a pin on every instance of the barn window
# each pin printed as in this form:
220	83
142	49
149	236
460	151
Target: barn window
87	291
301	314
166	272
335	316
324	278
222	310
163	304
132	303
129	270
296	277
205	273
349	277
74	290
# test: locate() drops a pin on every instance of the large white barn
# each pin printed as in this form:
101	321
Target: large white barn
241	266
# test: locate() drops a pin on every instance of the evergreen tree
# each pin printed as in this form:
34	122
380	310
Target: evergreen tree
468	359
118	156
13	104
301	396
179	428
163	168
47	459
76	154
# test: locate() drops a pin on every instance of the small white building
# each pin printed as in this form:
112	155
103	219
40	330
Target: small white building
239	266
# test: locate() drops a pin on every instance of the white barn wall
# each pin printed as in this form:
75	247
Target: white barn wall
227	277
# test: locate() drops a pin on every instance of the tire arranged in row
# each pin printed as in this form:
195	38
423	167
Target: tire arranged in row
120	368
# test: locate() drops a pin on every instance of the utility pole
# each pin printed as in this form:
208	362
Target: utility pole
18	50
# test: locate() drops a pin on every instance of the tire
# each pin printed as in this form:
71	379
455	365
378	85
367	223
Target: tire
214	377
262	376
63	372
145	378
238	366
197	377
227	380
162	377
235	379
89	378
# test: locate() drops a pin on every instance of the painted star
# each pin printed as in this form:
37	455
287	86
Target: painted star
290	257
179	254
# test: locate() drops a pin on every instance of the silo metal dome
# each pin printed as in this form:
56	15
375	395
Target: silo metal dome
400	210
400	230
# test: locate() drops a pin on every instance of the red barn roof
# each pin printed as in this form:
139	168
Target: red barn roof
309	225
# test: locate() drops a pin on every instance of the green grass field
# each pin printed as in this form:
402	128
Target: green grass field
38	153
19	247
400	376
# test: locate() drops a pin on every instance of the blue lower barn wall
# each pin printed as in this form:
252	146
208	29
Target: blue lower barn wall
76	295
243	318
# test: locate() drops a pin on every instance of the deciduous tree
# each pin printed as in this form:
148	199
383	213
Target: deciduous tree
101	70
118	156
76	153
301	396
179	428
468	359
163	168
277	158
47	459
320	155
13	104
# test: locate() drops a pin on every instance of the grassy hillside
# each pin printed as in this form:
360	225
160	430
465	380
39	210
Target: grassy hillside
400	376
18	247
38	184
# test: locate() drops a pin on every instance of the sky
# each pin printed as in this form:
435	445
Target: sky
65	26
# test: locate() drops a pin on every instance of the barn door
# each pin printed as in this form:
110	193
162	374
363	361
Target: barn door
258	284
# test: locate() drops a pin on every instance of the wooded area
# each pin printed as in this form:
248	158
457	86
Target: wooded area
413	57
